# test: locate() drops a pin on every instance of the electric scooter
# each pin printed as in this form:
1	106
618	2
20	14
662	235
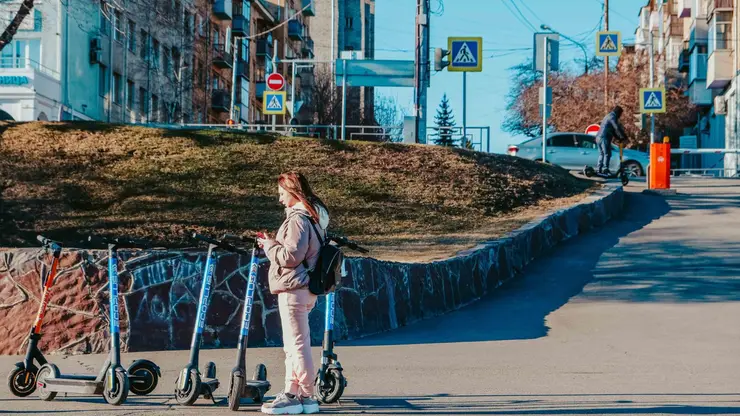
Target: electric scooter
330	382
22	379
113	381
589	171
189	386
239	387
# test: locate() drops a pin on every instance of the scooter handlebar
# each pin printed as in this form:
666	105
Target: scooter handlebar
121	242
343	242
241	238
49	243
220	244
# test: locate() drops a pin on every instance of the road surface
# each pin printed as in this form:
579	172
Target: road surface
642	317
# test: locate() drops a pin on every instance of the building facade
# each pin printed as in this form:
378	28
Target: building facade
354	31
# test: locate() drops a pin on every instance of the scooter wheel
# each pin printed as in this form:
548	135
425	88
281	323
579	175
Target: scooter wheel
189	395
46	372
236	386
118	394
260	374
21	381
332	388
589	171
625	179
146	379
210	370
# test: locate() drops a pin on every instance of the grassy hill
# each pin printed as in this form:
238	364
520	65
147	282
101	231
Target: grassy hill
68	180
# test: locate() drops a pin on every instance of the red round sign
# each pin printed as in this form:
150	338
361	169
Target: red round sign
593	129
275	82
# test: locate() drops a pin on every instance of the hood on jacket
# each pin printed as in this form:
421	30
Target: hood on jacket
301	208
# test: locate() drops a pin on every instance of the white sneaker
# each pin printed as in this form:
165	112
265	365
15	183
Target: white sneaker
283	405
310	405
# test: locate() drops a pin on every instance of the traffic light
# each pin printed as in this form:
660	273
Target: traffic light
439	64
230	122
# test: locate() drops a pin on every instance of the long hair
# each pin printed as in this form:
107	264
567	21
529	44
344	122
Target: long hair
297	185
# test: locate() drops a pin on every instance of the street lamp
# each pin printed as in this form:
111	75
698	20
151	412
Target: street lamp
580	45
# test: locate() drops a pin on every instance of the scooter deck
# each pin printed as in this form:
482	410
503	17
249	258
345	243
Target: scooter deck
71	385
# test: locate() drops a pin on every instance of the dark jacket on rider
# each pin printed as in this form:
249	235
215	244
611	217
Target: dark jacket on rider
610	128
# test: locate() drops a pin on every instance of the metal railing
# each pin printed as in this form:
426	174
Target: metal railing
26	63
709	172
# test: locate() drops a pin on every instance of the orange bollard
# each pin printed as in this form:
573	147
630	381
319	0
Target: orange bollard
660	165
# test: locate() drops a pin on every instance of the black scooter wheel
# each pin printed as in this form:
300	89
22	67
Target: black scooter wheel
236	386
21	381
332	388
118	392
146	379
190	394
260	374
625	179
589	171
46	372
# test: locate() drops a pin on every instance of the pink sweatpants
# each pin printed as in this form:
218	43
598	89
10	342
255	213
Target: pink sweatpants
294	307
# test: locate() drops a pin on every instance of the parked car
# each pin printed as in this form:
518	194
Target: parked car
573	151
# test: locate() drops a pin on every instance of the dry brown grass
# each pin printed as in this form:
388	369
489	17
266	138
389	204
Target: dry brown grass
69	180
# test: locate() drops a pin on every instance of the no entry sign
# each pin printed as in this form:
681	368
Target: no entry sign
593	129
275	82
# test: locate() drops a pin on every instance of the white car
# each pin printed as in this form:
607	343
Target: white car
573	151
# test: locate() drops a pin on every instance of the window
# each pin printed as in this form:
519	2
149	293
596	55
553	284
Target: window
562	140
167	62
199	69
214	80
131	36
720	31
118	24
188	22
155	108
105	18
130	94
144	44
201	26
587	142
102	81
348	24
227	41
216	37
155	53
142	102
117	88
176	61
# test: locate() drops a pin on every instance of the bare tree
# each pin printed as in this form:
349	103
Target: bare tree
389	116
10	31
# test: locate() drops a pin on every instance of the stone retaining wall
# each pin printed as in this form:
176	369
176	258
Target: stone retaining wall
159	290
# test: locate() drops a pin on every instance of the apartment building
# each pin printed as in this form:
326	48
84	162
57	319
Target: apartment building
354	31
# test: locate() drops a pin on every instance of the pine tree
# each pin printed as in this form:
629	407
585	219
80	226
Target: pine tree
444	118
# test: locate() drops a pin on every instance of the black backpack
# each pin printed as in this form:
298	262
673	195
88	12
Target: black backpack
327	273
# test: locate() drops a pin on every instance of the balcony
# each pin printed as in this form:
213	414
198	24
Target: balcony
719	68
308	47
675	27
699	33
259	89
295	30
269	11
684	61
239	25
699	94
242	69
684	9
264	48
698	67
718	5
243	112
222	9
310	10
221	100
221	58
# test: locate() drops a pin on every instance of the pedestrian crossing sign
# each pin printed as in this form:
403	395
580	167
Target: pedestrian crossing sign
608	43
465	54
273	102
652	100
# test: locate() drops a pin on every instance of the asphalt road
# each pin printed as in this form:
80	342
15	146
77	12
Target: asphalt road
642	317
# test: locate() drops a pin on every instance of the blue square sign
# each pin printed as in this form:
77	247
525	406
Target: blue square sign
608	44
652	100
465	54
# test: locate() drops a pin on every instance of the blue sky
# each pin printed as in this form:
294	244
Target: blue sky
501	31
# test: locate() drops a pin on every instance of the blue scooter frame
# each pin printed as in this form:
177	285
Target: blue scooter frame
113	381
330	382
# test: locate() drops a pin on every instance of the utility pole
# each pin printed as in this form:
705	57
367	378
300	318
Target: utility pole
422	69
606	58
652	85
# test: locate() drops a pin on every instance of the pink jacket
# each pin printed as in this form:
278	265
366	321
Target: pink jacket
295	241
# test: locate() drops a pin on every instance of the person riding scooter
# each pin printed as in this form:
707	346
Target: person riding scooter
610	127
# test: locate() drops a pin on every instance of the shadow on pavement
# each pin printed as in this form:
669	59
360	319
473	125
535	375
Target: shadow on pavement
518	309
643	404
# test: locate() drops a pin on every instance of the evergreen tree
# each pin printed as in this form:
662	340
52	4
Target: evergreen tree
444	118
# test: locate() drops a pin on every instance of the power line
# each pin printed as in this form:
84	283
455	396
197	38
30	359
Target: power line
531	11
523	22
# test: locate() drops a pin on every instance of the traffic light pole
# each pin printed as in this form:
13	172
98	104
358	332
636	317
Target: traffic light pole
465	109
545	67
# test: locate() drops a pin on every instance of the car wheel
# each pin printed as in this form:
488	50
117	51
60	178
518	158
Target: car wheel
633	169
